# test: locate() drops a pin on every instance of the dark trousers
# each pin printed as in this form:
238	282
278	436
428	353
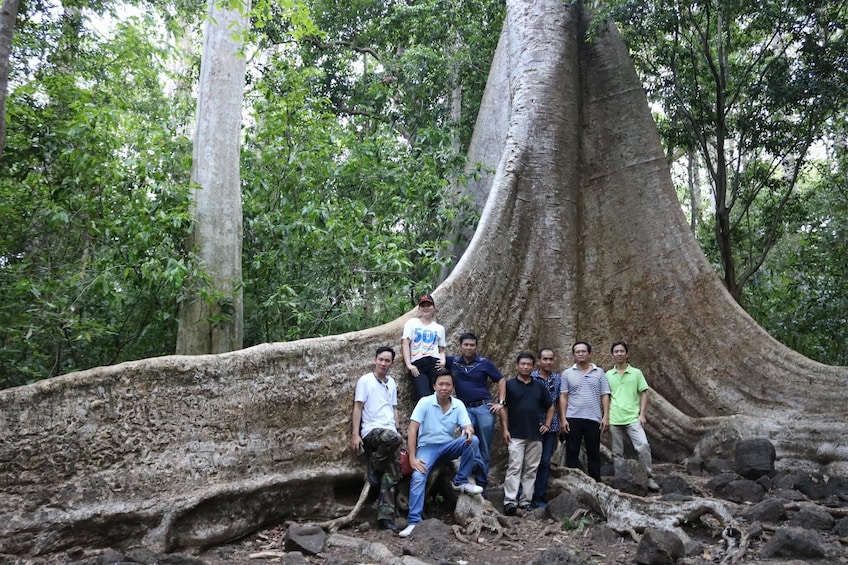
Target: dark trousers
422	385
590	431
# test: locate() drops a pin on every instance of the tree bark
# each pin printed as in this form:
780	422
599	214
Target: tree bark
212	320
8	15
581	237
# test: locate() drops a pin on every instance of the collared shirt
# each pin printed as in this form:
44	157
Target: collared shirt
435	426
625	391
378	400
553	384
471	380
584	392
524	401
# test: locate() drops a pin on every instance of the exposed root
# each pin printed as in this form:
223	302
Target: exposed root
630	514
333	525
472	515
737	544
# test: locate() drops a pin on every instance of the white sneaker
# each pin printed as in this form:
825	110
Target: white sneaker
652	484
404	533
467	488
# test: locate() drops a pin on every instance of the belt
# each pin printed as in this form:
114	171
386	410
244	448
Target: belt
477	403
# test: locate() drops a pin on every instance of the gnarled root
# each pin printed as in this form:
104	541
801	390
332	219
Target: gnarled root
627	513
473	514
333	525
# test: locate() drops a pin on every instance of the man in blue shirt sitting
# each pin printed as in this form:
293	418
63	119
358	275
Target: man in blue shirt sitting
432	431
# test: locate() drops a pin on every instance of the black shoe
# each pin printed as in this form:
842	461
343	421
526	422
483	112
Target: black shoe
509	509
526	507
386	524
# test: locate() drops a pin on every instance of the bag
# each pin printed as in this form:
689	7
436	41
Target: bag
405	467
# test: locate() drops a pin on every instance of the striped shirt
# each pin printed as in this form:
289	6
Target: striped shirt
584	392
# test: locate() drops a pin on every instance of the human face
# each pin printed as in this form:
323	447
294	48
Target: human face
382	363
444	386
581	353
525	367
546	361
468	348
426	309
619	354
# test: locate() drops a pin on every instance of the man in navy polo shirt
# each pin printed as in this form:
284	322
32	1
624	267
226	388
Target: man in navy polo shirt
471	375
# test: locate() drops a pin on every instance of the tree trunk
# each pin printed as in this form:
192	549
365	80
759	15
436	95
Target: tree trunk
211	321
581	237
8	15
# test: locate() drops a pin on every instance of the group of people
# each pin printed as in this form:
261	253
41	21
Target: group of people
537	409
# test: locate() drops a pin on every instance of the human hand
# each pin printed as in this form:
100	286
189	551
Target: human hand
356	445
413	370
418	464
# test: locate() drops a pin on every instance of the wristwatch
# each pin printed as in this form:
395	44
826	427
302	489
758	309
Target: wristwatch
502	402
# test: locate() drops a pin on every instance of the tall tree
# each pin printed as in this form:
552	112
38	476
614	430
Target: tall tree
211	320
752	85
551	262
8	15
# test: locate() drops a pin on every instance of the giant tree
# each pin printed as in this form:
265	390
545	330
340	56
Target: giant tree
581	237
211	319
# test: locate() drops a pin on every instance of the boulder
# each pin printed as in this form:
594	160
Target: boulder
659	547
754	458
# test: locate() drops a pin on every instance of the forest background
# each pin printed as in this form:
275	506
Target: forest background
355	123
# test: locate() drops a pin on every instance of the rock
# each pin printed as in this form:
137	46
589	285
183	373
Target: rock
768	510
603	535
659	547
793	542
694	466
431	535
812	518
754	458
674	484
841	528
819	487
562	507
755	530
294	558
308	539
716	466
729	487
557	556
630	477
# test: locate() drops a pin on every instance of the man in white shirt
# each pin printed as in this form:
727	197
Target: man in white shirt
375	431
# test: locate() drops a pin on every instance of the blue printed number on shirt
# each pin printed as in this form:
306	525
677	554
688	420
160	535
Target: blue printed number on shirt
424	336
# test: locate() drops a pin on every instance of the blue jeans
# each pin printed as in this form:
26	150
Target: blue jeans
549	445
432	455
483	422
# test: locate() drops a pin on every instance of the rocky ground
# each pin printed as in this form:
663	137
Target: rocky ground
788	518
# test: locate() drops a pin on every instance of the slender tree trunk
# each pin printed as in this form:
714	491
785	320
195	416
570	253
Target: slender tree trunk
8	15
581	237
212	321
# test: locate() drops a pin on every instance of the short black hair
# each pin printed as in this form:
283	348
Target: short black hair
467	335
545	349
383	349
443	373
525	355
622	344
586	343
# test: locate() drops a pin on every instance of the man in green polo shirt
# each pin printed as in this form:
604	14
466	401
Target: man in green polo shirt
628	406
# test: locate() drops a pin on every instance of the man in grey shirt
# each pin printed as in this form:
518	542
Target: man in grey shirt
586	397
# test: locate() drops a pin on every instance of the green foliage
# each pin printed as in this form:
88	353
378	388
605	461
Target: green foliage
753	86
95	203
572	525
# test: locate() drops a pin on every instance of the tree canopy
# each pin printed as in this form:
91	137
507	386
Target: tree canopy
356	122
